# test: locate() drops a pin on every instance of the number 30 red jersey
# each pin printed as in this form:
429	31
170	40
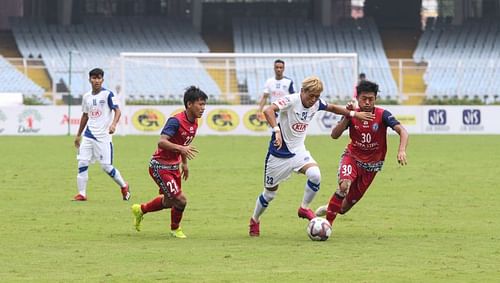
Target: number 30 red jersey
181	131
369	138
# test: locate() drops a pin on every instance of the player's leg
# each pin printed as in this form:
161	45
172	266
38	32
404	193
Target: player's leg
357	190
347	174
161	178
179	203
276	170
84	157
311	170
106	160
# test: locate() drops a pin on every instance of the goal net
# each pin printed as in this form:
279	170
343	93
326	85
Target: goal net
228	78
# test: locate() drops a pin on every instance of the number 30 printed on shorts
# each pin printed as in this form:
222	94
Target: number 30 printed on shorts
346	170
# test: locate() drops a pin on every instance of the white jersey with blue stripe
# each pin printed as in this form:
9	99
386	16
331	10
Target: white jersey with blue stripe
293	120
99	109
278	88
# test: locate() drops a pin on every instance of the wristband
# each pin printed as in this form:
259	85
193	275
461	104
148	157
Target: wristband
276	129
352	113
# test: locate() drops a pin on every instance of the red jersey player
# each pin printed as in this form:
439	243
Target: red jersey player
169	162
365	154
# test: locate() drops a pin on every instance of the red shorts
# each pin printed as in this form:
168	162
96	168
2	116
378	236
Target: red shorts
360	178
168	180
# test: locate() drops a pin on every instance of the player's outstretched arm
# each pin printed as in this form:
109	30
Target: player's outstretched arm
186	151
118	114
364	116
339	128
403	142
83	124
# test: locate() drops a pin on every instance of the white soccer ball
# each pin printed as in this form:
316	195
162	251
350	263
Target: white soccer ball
319	229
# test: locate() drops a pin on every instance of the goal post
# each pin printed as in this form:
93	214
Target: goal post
228	78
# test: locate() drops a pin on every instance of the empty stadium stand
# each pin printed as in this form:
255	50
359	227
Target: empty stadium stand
97	43
11	80
463	61
287	35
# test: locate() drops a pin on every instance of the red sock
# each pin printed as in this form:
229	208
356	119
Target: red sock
175	218
334	207
153	205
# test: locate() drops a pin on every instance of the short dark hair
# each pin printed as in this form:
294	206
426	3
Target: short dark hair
279	61
193	94
367	86
96	72
362	76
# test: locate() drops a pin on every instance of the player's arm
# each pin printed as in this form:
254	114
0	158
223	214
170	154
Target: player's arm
262	102
83	123
340	128
364	116
186	151
403	142
113	105
184	168
118	114
270	114
389	120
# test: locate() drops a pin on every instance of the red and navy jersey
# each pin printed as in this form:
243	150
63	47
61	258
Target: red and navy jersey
181	131
369	138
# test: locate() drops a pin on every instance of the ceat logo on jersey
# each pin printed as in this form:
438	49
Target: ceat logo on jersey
299	127
148	120
437	117
254	121
28	120
3	118
471	117
179	110
223	120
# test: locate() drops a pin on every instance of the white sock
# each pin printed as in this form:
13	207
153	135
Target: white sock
262	202
82	178
114	173
312	185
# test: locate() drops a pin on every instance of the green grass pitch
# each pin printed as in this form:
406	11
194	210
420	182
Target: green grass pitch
438	219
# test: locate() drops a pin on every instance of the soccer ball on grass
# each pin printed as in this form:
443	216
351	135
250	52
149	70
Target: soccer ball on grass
319	229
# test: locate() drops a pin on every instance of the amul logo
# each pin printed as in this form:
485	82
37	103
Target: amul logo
28	121
471	117
437	117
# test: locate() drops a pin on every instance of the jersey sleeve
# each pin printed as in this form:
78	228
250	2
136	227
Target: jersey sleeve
291	90
389	120
171	127
85	108
322	104
112	101
285	102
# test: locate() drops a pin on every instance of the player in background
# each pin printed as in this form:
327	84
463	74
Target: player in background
275	87
287	152
99	124
365	154
169	162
